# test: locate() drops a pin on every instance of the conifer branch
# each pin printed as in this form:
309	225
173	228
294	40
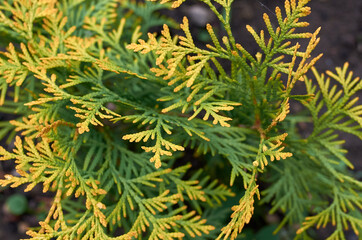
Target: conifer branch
88	89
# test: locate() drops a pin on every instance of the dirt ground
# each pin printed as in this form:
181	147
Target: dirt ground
341	41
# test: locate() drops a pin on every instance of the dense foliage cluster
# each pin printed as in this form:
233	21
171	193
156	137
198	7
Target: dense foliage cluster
132	131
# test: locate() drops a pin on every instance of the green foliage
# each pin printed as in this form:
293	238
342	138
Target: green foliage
17	204
138	136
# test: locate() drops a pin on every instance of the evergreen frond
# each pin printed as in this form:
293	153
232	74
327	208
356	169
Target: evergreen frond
338	213
86	89
242	213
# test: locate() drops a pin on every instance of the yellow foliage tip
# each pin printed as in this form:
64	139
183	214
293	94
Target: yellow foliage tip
175	3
